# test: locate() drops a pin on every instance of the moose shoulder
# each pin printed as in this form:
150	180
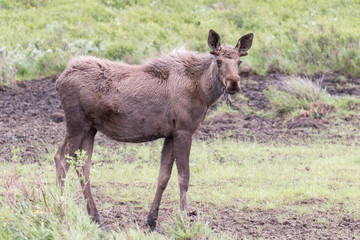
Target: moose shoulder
167	97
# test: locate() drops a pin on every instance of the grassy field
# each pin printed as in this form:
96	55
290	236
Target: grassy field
225	174
37	37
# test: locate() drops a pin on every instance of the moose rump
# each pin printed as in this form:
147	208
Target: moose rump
167	97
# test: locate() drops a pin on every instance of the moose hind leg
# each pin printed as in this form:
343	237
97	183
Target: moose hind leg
84	174
167	161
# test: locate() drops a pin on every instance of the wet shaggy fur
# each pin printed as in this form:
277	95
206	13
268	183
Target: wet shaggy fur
167	97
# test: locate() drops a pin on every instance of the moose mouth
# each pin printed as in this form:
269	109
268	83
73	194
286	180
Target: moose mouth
232	91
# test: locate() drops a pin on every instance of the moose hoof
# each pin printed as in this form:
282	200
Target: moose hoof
105	227
96	218
151	225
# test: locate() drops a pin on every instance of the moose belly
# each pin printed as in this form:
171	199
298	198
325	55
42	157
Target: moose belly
129	128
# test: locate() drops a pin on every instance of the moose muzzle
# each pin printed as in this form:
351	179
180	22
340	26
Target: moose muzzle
232	85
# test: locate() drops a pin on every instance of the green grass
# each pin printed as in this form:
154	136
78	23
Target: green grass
182	228
34	210
39	36
300	96
224	174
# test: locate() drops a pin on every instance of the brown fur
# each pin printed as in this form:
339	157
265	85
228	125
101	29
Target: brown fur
164	98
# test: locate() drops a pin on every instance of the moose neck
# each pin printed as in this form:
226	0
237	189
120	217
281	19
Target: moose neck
198	68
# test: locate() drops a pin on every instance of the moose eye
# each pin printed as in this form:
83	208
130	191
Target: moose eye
218	62
239	63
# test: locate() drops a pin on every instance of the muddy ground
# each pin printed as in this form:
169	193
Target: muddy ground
31	119
248	223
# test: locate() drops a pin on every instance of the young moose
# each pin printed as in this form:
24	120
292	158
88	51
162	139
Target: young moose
165	98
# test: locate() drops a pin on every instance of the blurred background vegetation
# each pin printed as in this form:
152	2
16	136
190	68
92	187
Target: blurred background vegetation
37	37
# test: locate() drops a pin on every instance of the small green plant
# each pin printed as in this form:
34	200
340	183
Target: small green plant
184	228
78	161
14	153
314	113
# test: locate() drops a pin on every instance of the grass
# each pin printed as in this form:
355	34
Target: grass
36	211
39	36
298	94
226	173
301	96
182	228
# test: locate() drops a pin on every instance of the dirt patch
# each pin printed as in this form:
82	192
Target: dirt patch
339	84
306	122
247	128
311	201
278	224
252	88
25	119
243	223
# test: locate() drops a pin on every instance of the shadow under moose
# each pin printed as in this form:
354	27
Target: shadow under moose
167	97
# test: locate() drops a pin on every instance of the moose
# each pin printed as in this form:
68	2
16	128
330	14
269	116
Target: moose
167	97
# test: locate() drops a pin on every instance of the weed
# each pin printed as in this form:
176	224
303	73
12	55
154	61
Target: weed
299	93
184	228
314	113
78	161
14	152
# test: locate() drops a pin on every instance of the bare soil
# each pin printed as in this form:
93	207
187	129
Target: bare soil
243	223
31	120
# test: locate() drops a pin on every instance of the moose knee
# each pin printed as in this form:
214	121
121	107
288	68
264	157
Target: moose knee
163	181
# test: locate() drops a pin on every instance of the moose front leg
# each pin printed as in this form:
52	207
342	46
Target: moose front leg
182	146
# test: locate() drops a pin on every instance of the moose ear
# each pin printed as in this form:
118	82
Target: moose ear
244	44
214	40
